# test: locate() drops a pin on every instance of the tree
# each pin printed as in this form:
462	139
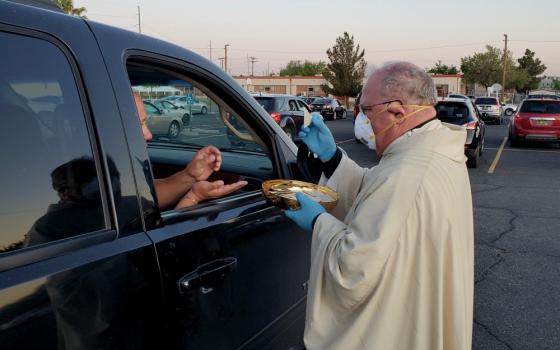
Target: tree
440	68
483	68
306	68
517	78
68	7
346	68
556	84
533	66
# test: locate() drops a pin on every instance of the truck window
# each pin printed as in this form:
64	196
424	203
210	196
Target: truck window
201	119
49	180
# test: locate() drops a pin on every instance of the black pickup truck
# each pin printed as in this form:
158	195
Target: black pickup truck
88	259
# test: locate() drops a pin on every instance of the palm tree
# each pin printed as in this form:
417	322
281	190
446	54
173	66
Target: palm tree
68	7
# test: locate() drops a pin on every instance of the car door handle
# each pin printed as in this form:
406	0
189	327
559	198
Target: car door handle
208	275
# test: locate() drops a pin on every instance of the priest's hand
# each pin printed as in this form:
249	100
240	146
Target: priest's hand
306	214
318	138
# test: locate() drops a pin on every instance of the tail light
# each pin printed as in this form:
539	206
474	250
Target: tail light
471	125
327	106
356	110
276	116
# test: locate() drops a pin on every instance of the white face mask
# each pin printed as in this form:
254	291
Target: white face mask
363	131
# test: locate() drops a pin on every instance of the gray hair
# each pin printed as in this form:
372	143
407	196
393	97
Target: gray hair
408	82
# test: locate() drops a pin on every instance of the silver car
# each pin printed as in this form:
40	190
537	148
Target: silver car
196	107
490	109
162	122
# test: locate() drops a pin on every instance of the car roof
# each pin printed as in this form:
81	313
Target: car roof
454	99
275	96
547	99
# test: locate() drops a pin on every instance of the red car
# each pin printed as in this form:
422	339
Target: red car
536	120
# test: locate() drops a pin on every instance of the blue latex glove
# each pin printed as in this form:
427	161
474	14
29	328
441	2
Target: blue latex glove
318	138
308	211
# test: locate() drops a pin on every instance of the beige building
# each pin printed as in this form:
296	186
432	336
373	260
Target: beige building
311	86
294	85
448	83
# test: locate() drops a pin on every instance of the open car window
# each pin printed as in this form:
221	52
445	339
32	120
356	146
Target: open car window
204	119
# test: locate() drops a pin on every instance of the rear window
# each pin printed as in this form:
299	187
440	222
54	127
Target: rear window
321	101
545	107
486	101
451	110
268	103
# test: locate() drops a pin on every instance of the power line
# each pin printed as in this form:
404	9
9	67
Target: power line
537	41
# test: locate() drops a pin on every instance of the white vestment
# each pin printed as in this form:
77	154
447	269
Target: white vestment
392	265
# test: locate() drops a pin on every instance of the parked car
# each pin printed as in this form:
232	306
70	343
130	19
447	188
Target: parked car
536	120
164	122
509	109
197	107
490	109
461	96
285	110
459	111
88	258
329	108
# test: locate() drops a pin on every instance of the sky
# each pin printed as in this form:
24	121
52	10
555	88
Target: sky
275	32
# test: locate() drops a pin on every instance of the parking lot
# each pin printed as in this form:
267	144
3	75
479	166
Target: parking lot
517	250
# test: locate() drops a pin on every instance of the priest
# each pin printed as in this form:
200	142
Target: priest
392	264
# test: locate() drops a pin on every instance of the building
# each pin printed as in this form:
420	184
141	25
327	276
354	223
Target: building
547	83
311	86
291	85
448	83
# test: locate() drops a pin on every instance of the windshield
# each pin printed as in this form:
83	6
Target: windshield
321	101
545	107
486	101
451	110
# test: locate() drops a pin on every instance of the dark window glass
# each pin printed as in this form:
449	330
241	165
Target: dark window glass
453	112
486	101
302	106
269	103
168	105
546	107
322	101
48	183
150	109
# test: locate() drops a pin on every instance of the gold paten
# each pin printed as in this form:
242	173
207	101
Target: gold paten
282	193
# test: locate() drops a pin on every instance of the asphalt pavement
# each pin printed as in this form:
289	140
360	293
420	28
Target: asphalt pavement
516	199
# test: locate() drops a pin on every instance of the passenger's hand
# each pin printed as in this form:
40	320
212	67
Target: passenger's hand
318	138
204	163
308	211
204	190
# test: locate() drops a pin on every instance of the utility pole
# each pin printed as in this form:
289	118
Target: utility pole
210	50
221	59
253	60
139	26
247	64
225	57
504	68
